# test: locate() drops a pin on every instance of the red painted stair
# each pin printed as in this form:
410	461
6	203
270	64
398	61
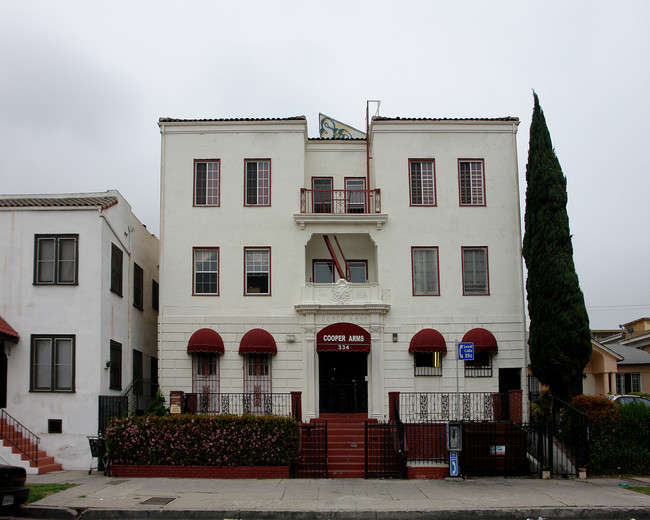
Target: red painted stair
20	444
346	444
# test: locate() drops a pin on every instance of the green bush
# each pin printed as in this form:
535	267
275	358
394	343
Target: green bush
157	405
204	440
619	435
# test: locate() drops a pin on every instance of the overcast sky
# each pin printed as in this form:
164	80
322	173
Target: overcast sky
83	83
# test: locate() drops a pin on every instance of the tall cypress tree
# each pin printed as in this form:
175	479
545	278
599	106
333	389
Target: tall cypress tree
560	339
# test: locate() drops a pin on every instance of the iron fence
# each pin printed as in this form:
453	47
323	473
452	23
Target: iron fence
256	403
340	201
111	406
313	444
18	436
385	457
429	407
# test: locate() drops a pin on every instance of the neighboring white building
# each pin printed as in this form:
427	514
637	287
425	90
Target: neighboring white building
79	286
423	218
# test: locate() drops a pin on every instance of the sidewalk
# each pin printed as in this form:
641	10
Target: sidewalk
97	496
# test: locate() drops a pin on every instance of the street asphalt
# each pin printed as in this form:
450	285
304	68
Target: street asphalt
98	497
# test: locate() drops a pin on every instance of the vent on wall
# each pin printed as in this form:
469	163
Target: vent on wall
54	426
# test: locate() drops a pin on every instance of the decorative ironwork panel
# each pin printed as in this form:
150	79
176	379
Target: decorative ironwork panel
424	404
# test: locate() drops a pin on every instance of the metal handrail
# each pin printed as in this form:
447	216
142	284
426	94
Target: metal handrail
19	436
340	202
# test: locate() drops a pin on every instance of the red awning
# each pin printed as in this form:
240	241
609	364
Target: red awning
428	340
205	340
343	337
483	339
7	331
257	341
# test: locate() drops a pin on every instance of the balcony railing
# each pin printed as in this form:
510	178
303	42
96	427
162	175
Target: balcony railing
256	403
340	202
424	407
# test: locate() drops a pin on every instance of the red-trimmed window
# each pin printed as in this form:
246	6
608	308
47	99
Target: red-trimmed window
206	271
206	182
471	180
257	270
322	194
422	182
323	271
355	194
424	261
257	383
258	182
205	381
475	271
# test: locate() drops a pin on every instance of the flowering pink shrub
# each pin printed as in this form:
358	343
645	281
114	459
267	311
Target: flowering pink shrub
204	440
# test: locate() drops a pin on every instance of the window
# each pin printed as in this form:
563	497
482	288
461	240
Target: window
425	271
56	259
475	271
358	271
472	183
422	182
136	365
116	269
52	364
258	183
323	271
258	271
322	190
481	366
206	182
138	287
257	383
206	271
355	195
154	372
115	366
628	382
205	381
427	364
155	295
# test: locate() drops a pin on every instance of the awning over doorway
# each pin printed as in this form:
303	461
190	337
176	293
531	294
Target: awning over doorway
205	340
343	337
257	341
428	340
7	332
483	339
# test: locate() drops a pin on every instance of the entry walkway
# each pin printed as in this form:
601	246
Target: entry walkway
97	496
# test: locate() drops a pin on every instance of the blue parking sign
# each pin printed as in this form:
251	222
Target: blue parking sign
466	351
453	463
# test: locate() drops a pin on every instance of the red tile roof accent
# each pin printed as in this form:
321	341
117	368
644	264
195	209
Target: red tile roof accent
176	120
7	330
57	202
507	118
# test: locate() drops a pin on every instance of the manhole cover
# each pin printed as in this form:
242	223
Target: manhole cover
157	501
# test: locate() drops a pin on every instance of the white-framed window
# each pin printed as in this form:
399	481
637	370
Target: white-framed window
258	182
52	363
628	382
427	363
475	271
55	259
206	271
206	182
424	262
422	182
258	271
472	182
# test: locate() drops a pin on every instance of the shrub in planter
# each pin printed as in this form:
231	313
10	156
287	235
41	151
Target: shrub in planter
204	440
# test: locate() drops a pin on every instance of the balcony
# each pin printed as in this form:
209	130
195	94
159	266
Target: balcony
340	206
342	296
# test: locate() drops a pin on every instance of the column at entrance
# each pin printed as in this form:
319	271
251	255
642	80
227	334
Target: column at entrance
377	406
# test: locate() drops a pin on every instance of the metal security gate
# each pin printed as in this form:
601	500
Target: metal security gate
111	406
313	447
494	448
385	457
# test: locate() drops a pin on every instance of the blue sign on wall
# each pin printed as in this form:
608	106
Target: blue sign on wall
453	463
466	351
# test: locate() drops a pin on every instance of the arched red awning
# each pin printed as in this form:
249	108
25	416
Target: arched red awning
483	339
428	340
257	341
205	340
343	337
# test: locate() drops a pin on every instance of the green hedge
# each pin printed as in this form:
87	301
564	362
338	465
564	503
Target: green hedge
619	436
204	440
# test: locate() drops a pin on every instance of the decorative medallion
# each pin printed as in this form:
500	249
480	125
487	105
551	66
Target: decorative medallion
342	291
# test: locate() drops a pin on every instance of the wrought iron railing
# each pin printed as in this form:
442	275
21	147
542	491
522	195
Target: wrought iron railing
256	403
133	400
340	202
18	436
419	407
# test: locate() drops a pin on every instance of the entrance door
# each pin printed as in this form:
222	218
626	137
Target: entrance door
343	382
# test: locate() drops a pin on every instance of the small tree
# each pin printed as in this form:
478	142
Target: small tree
157	405
560	339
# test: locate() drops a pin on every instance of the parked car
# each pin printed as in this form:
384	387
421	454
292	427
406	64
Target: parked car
627	399
13	491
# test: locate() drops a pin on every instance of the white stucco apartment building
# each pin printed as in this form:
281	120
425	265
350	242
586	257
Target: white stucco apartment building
342	268
79	287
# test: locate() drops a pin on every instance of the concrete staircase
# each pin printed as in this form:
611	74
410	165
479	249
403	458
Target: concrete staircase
345	444
12	444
